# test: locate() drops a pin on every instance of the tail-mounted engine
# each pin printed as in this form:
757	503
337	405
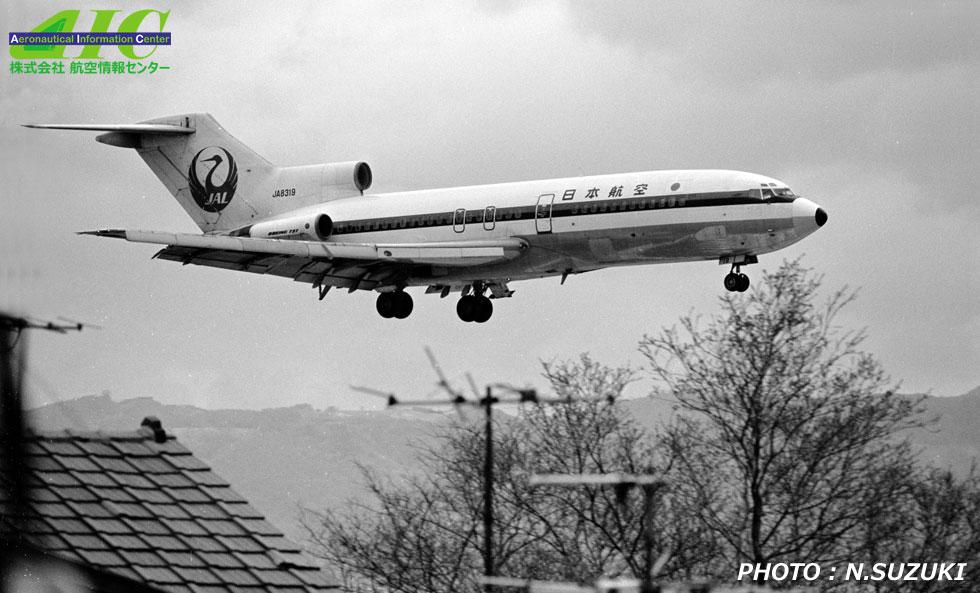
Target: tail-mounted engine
315	227
354	175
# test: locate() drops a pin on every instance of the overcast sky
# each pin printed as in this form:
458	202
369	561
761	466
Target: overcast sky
868	108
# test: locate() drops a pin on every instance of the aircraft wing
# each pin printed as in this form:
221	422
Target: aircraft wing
346	265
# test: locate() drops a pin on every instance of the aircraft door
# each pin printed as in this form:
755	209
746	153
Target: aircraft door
542	213
459	220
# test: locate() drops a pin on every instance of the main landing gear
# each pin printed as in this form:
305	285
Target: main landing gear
397	304
736	281
474	307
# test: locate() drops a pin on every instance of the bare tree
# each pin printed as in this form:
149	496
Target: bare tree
422	533
787	430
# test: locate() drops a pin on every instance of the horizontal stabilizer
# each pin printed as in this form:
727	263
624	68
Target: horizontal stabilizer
125	128
460	253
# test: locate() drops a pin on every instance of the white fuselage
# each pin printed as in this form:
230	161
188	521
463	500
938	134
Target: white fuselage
584	223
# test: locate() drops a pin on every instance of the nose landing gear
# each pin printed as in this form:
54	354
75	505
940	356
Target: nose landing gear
736	281
397	304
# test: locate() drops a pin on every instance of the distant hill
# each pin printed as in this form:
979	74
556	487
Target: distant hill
281	458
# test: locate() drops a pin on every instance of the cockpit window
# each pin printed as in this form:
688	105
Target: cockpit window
784	192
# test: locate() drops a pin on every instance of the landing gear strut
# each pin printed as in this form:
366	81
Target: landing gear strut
475	307
397	304
736	281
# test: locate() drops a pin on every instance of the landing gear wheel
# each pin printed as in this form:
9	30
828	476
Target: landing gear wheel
466	308
743	283
403	304
484	310
732	282
386	305
396	304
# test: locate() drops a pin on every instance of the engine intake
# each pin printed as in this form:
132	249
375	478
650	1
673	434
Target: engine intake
351	174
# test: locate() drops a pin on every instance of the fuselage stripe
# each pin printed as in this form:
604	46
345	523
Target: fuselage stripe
557	208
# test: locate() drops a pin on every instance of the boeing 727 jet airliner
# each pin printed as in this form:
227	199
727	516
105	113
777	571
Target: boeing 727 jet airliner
315	223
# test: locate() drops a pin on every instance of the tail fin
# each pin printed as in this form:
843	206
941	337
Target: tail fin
219	181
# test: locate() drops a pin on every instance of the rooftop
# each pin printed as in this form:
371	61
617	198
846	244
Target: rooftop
139	505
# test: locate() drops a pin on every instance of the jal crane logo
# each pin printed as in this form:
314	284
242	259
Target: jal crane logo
214	194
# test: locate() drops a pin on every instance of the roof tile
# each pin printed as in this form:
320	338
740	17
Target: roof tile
244	511
188	494
125	542
210	589
187	559
221	527
147	526
97	479
41	494
85	541
234	576
79	464
128	509
68	526
125	571
113	526
143	558
101	557
203	543
90	509
115	464
152	465
223	493
241	544
60	447
200	576
56	478
166	511
220	559
188	462
278	577
98	448
48	541
280	543
132	480
53	509
258	526
46	464
164	542
180	588
171	447
151	495
113	494
133	449
184	526
171	480
256	561
206	478
154	574
204	511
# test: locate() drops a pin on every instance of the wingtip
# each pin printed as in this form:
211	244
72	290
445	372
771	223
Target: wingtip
113	233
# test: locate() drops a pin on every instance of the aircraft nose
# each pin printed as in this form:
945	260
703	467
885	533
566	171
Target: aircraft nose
807	216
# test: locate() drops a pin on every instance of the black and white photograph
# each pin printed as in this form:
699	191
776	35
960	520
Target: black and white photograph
490	296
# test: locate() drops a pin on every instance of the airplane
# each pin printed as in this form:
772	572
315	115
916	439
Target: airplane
318	225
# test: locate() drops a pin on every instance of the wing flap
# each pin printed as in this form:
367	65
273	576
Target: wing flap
462	253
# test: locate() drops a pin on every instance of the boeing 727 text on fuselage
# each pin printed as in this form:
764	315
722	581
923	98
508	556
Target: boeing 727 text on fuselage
315	223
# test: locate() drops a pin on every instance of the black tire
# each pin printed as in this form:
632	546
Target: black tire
466	308
731	282
484	310
403	304
743	283
386	305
